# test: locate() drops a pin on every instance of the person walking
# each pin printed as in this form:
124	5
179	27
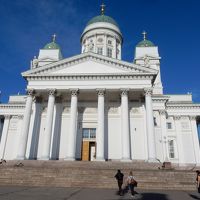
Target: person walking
198	180
131	182
119	177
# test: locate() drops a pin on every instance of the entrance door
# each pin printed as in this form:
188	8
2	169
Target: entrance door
88	144
92	151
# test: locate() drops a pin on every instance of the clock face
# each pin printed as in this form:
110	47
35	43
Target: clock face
100	40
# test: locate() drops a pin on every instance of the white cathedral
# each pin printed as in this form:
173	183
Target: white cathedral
96	107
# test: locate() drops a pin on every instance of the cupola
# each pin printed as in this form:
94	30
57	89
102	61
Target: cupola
51	52
102	36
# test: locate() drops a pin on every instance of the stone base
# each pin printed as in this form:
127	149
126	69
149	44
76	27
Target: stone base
69	159
126	160
21	158
100	159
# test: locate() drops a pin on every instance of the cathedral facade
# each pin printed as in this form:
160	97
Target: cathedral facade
96	107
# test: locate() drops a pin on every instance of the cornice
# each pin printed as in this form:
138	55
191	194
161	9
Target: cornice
129	67
12	106
183	106
80	77
160	98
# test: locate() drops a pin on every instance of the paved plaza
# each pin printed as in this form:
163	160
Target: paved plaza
52	193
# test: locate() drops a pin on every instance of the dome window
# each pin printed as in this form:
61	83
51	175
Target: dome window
100	50
109	52
109	42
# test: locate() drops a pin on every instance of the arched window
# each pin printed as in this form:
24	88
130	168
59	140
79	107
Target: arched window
171	148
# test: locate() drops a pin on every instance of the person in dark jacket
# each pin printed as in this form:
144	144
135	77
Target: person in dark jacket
119	177
198	180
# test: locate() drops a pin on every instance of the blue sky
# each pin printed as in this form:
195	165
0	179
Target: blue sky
173	25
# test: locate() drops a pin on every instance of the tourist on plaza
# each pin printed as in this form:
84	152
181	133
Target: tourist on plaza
198	180
131	182
119	177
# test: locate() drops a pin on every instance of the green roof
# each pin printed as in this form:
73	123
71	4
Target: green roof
51	45
145	43
102	18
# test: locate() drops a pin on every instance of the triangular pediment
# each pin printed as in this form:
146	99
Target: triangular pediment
88	67
88	63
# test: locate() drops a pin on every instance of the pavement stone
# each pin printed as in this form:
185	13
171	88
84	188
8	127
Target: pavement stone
54	193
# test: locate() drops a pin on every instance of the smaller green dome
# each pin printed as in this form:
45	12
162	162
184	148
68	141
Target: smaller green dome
145	43
102	18
51	45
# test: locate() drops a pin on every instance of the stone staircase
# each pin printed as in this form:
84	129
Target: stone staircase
93	174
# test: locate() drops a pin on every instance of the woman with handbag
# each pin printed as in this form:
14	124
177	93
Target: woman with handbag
131	183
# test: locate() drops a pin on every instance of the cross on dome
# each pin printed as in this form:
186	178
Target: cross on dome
54	37
103	8
144	33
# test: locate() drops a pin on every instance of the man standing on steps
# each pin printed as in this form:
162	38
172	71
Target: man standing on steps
119	177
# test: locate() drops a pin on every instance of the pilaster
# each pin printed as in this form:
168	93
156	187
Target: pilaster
150	125
179	139
100	129
48	126
4	136
26	124
195	139
71	147
125	132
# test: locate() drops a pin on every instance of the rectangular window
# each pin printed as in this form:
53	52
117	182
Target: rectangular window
169	125
100	50
109	52
85	133
171	148
89	133
154	121
109	42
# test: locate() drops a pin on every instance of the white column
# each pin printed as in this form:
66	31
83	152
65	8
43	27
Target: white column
179	139
48	126
100	129
25	127
4	136
195	139
164	139
115	48
120	51
125	135
150	126
71	143
105	45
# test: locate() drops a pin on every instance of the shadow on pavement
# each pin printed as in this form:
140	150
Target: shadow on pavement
153	196
194	196
146	196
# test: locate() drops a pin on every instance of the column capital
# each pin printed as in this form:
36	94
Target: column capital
162	112
20	116
177	117
124	91
52	91
74	92
148	91
30	92
7	116
38	99
193	117
100	92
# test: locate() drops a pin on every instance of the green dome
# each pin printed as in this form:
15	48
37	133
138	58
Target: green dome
102	18
51	45
145	43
